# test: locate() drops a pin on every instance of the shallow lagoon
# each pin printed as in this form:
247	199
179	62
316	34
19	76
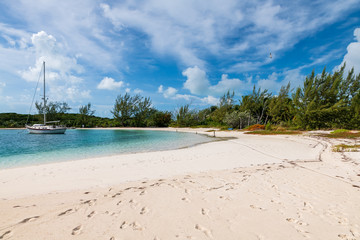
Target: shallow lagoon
19	148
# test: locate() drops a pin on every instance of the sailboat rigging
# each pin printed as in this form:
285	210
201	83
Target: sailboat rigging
43	128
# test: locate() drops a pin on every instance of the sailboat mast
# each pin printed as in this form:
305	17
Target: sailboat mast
44	96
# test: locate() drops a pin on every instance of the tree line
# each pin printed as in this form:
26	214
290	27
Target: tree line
324	101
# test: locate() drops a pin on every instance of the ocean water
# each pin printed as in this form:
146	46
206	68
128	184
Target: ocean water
19	148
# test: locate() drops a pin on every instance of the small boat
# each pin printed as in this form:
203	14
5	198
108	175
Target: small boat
43	128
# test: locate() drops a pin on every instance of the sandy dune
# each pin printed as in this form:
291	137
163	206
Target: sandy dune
250	187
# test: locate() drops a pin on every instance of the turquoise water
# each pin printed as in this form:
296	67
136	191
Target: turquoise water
19	148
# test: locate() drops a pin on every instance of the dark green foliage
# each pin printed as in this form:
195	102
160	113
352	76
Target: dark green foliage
257	103
240	120
136	111
185	117
85	113
226	105
159	119
281	107
328	101
124	109
54	110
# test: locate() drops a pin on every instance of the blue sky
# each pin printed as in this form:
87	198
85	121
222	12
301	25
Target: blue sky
175	52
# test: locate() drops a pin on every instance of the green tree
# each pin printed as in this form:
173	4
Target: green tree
159	119
142	110
85	113
281	106
237	119
123	109
53	110
257	104
226	105
132	110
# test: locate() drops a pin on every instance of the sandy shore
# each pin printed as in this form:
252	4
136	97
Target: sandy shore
249	187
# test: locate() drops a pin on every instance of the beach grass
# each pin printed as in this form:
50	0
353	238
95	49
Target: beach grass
341	133
345	148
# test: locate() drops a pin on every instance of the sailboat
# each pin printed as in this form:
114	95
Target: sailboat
51	128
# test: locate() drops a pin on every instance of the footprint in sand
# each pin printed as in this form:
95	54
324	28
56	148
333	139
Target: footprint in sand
123	225
90	215
205	211
76	230
116	194
298	222
142	193
206	231
133	203
307	206
144	210
257	207
66	212
30	219
6	234
136	226
185	199
90	202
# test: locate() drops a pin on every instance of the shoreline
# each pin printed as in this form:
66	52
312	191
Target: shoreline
249	187
103	171
183	130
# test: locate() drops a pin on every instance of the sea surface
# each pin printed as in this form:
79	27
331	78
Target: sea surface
19	148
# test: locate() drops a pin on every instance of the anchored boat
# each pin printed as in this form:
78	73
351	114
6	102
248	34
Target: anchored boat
52	128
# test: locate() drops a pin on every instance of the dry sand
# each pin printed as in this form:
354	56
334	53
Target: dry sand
249	187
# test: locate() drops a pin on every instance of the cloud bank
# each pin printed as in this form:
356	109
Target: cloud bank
63	82
352	57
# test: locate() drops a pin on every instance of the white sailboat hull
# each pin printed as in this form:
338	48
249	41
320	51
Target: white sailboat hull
46	130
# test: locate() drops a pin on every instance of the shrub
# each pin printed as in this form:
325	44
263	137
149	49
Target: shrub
268	126
337	131
256	127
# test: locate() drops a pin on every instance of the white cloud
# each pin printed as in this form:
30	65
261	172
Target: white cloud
210	100
170	92
109	84
61	70
197	82
352	57
275	81
227	84
138	91
211	28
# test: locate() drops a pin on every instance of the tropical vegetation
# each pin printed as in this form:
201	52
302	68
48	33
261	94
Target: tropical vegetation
324	101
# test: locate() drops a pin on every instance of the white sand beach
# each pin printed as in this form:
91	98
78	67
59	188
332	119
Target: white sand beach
248	187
